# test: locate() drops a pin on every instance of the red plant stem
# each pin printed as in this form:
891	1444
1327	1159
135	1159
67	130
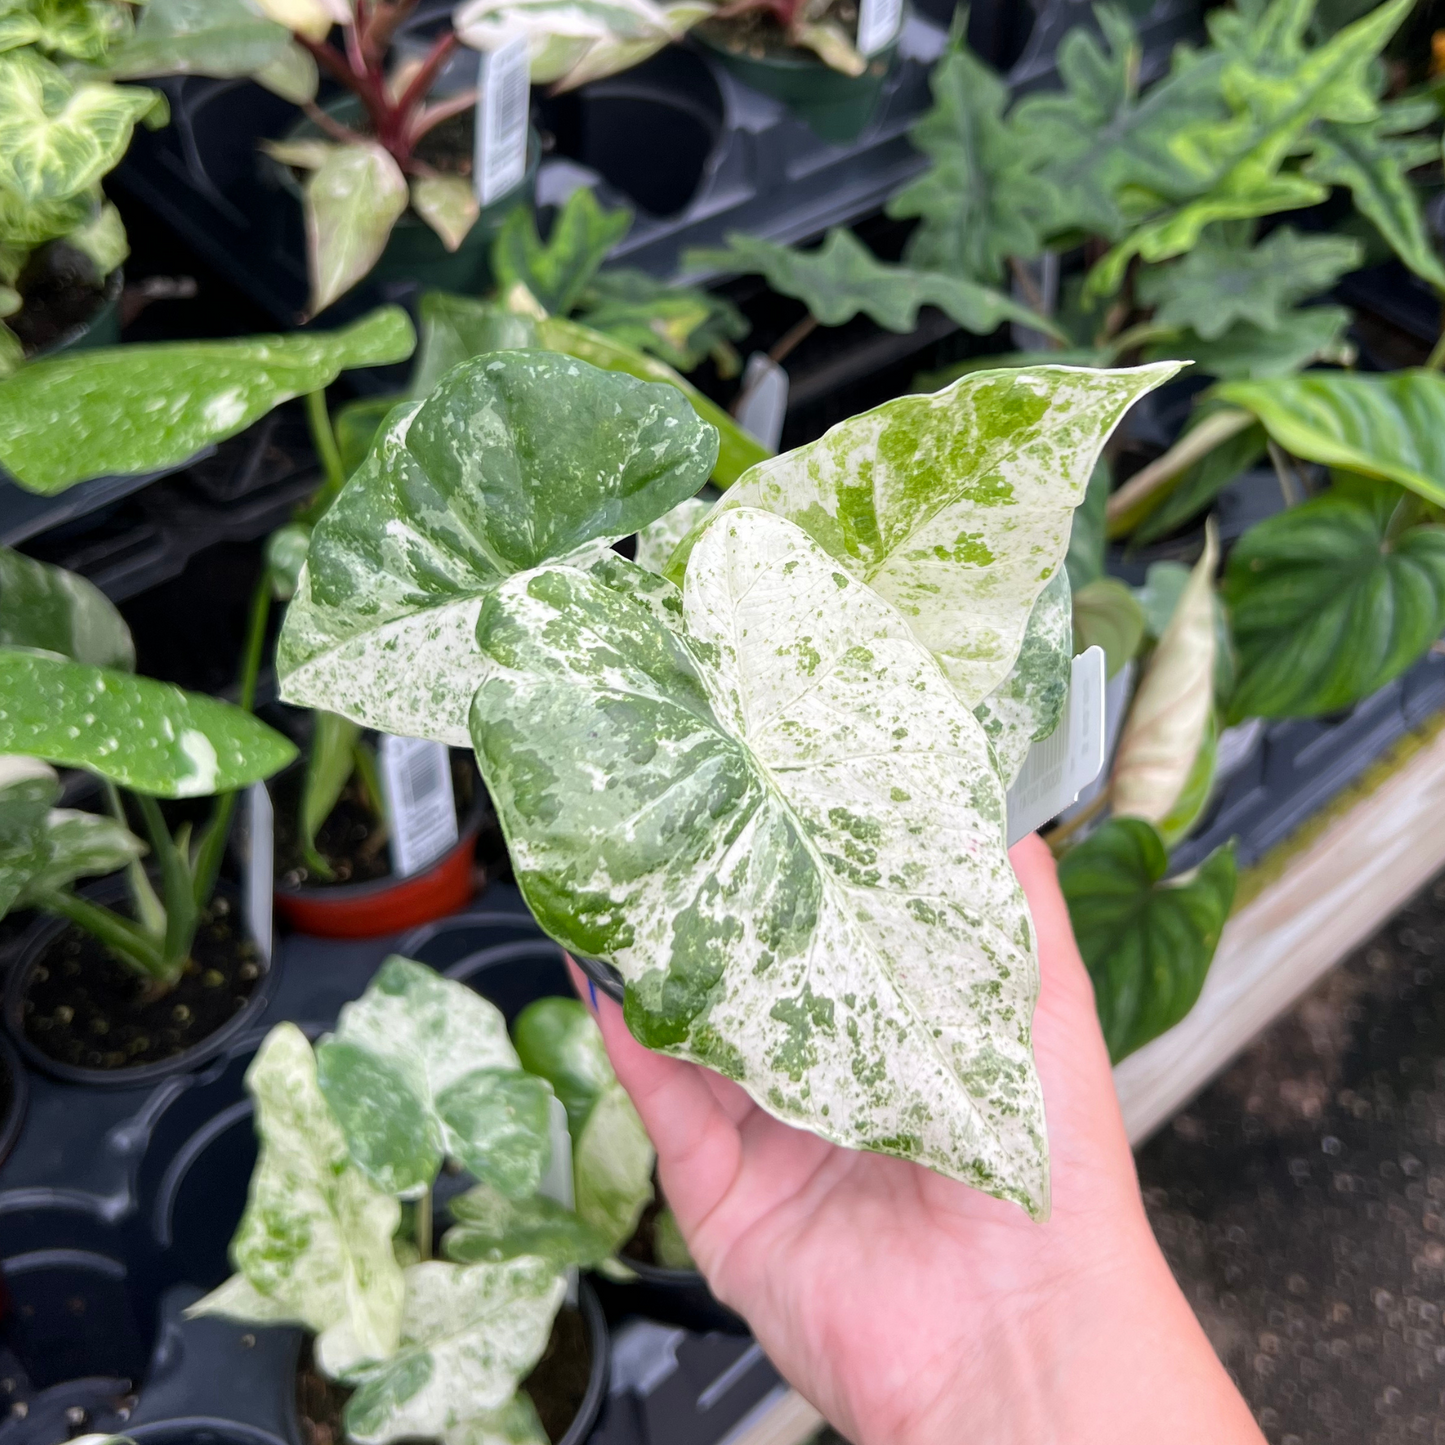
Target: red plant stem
353	50
331	126
416	91
367	87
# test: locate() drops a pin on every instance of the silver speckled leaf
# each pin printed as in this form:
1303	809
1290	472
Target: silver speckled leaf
657	541
786	832
517	458
1027	705
955	506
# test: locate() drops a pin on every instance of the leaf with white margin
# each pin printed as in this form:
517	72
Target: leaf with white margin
787	834
448	204
146	735
420	1067
28	789
490	1228
955	506
353	199
469	1334
517	458
657	541
314	1244
58	611
1027	705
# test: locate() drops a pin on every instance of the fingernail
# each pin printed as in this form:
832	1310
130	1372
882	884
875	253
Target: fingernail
592	994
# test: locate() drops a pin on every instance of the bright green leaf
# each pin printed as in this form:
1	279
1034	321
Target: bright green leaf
558	1040
329	765
103	240
57	611
681	325
353	199
559	271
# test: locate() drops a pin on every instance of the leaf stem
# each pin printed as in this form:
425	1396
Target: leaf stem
148	909
1066	830
1436	360
323	438
792	338
1289	484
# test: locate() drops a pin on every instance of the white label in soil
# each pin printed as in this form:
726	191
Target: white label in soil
503	96
260	871
1059	765
878	22
417	779
762	403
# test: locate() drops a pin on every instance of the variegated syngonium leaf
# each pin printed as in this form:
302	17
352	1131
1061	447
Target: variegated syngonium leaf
955	506
786	832
314	1245
420	1068
516	458
657	541
469	1335
490	1228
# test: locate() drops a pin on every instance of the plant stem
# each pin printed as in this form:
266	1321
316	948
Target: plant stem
792	338
323	438
1289	486
1138	335
177	888
1091	810
148	910
422	1226
124	939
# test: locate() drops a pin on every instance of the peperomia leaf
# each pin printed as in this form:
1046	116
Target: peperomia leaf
558	271
955	506
448	204
658	540
57	611
1107	615
353	199
1147	943
1329	602
490	1228
1388	426
1026	706
516	458
420	1068
141	408
812	895
469	1334
146	735
314	1244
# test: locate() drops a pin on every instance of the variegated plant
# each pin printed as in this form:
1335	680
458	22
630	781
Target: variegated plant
759	791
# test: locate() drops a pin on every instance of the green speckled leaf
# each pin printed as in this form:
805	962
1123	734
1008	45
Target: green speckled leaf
797	860
955	506
516	458
58	611
28	789
657	541
469	1334
421	1068
1148	944
140	408
315	1240
490	1228
146	735
75	845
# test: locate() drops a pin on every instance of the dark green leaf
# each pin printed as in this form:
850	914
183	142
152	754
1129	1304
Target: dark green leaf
490	1228
1250	352
557	272
1107	615
57	611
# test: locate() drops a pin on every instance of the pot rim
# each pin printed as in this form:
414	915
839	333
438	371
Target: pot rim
14	1119
42	933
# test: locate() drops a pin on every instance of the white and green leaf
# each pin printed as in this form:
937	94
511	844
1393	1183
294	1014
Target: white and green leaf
352	199
657	541
491	1228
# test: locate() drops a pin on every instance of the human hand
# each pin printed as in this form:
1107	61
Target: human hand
913	1310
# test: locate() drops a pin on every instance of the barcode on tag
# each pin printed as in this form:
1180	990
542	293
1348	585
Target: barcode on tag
417	777
259	878
503	96
878	22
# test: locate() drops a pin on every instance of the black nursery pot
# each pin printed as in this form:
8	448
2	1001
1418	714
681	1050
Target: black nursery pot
14	1096
41	948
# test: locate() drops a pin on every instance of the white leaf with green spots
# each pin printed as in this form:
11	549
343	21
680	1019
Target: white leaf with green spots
421	1068
516	1423
1027	705
955	506
57	611
657	541
314	1245
490	1228
469	1334
517	458
787	834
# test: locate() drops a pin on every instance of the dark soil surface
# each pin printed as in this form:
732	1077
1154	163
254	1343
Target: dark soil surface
557	1385
85	1009
60	292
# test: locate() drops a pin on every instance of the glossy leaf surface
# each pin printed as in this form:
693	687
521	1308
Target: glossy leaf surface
57	611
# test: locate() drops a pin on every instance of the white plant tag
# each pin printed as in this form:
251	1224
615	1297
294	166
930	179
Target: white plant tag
1066	761
260	881
503	94
417	779
878	22
763	400
556	1183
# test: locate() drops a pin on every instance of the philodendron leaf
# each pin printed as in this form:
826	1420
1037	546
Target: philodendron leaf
557	272
1390	426
146	735
490	1228
1026	706
420	1068
469	1334
1327	604
353	199
1147	943
314	1245
516	458
1108	615
955	506
1248	352
1173	706
658	540
812	894
129	409
58	611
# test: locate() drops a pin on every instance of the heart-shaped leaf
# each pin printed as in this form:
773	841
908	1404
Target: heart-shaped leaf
468	1336
420	1068
314	1245
1108	615
145	735
490	1228
955	507
516	458
129	409
1328	603
1147	943
353	199
57	611
812	894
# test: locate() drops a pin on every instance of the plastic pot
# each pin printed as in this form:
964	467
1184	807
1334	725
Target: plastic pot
47	931
17	1095
834	106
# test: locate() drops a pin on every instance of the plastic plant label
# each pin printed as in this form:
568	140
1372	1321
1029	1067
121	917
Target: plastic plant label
1059	766
417	778
503	95
260	871
763	399
878	22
